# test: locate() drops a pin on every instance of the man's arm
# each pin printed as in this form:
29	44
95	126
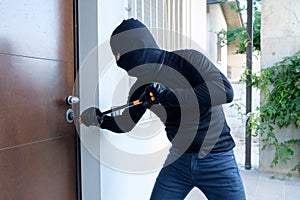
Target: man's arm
208	86
124	122
129	117
210	93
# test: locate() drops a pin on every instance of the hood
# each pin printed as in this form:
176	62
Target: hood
140	55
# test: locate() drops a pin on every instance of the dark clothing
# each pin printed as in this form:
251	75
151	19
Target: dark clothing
193	118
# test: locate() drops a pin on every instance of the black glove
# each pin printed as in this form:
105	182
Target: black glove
154	94
91	117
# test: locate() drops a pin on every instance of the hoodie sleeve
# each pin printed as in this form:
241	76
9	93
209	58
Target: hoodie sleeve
209	87
129	117
211	93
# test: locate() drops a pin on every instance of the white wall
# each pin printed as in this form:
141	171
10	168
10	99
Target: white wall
198	23
122	156
215	23
118	166
130	162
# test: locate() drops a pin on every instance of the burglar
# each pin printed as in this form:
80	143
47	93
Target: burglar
191	91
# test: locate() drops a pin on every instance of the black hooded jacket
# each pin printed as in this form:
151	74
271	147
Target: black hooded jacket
193	117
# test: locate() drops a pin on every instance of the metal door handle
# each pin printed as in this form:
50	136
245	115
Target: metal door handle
71	100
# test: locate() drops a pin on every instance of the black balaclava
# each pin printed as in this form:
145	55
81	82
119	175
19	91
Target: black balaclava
140	55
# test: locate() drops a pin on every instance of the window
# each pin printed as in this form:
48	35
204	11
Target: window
167	19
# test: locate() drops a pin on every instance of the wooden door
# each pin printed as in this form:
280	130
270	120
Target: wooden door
37	145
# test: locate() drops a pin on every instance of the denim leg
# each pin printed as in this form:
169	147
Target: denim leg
217	176
174	180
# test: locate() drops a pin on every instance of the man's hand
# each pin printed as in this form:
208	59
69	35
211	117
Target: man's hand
154	94
91	117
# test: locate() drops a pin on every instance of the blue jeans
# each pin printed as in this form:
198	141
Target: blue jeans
216	175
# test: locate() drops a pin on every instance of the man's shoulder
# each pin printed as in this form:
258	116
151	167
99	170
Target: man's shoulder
189	54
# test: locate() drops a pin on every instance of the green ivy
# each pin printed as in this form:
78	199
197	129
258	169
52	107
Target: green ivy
240	33
230	35
280	85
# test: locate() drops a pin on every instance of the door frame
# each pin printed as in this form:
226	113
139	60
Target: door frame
76	93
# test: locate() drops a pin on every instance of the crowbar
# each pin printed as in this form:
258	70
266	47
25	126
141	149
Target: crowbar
134	103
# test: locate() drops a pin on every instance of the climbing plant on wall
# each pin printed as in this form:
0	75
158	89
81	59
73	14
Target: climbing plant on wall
280	85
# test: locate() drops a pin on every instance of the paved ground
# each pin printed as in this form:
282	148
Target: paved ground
259	186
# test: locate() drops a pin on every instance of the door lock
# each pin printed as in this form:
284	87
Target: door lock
70	115
71	100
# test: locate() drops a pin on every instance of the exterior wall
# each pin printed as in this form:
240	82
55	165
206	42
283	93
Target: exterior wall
236	64
215	23
113	90
102	161
120	155
198	22
280	25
